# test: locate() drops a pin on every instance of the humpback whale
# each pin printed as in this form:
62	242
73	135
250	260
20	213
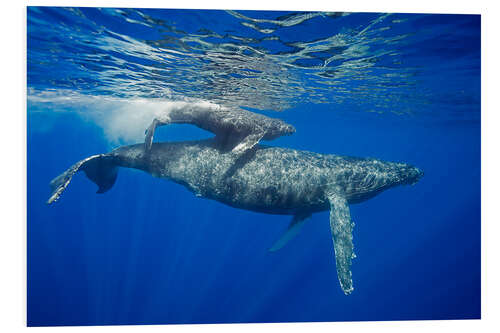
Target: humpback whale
235	129
271	180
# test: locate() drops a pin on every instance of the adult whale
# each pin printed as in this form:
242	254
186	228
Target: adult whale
269	180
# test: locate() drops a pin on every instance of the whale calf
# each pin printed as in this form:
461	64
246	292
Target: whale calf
270	180
235	129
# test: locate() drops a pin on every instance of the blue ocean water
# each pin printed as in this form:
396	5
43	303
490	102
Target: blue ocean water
399	87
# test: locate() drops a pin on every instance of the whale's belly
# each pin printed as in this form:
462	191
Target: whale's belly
273	198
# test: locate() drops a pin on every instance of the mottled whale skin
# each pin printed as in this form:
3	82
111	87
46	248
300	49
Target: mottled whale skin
235	129
269	180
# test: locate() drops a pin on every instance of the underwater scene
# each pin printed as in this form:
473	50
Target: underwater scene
252	166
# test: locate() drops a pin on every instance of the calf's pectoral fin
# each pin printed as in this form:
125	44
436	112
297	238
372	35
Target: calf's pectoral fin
341	228
293	229
248	142
150	132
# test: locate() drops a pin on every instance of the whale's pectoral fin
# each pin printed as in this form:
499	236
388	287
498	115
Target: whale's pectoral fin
248	142
341	228
293	229
101	169
150	132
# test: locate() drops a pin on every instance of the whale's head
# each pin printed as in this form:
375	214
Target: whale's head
397	174
277	128
287	129
365	178
410	175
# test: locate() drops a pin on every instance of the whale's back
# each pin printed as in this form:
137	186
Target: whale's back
266	179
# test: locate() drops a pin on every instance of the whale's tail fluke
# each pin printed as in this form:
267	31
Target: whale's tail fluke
101	169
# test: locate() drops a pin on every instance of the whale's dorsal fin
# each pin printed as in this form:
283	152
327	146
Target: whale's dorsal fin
341	228
293	229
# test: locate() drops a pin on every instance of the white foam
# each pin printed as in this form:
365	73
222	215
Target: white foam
123	120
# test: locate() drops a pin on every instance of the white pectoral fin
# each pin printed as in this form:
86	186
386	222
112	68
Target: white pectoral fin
248	142
293	229
341	228
150	132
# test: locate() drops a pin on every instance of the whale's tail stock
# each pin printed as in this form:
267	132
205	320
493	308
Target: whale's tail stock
101	169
